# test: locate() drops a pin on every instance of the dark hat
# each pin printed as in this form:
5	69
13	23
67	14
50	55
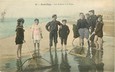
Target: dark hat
20	20
92	11
81	13
54	15
64	20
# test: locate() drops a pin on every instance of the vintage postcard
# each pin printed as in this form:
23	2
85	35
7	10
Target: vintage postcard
57	35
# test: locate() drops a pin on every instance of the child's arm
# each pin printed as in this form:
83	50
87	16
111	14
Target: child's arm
32	30
60	31
40	32
98	28
47	26
68	30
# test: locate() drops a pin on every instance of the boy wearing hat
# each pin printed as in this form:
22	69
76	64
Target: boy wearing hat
52	28
92	23
93	19
63	33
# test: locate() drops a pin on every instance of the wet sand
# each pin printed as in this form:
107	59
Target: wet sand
8	48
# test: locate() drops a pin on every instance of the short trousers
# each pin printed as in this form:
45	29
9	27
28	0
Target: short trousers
84	33
64	41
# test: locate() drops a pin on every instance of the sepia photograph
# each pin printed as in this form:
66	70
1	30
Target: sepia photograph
57	36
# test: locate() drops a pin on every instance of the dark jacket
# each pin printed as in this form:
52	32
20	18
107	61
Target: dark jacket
82	23
64	31
75	31
92	21
99	29
19	35
52	26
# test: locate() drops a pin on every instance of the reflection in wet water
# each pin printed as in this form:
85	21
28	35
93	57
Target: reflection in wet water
62	61
92	64
19	65
63	65
98	56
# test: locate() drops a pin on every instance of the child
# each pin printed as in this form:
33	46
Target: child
19	40
36	35
52	28
99	32
63	33
82	26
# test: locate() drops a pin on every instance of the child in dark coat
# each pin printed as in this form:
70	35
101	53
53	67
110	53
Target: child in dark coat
99	32
19	40
63	33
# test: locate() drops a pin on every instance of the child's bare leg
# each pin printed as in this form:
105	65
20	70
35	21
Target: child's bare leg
61	47
61	44
19	51
34	47
82	43
65	47
65	43
55	46
95	41
80	40
100	42
38	45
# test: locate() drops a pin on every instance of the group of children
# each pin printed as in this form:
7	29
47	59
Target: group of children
92	24
52	27
64	31
89	26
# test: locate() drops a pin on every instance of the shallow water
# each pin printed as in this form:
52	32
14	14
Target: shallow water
7	28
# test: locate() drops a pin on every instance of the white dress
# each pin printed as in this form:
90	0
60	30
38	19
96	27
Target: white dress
36	32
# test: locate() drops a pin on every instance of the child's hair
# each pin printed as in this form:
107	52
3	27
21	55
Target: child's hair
100	16
36	19
64	20
81	13
19	21
54	15
87	14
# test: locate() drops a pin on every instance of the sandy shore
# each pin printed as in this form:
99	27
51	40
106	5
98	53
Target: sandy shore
8	47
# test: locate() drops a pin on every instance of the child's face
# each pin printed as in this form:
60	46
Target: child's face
81	16
36	22
87	16
54	18
99	19
21	24
64	22
90	13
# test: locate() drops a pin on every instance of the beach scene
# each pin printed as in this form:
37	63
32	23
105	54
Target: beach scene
64	61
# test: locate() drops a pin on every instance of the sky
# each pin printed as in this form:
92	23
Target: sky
45	8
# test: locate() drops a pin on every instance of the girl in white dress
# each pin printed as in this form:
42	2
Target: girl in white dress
36	35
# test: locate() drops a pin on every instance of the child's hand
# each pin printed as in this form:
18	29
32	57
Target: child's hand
93	33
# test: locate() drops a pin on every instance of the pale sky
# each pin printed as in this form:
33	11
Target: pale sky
27	8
